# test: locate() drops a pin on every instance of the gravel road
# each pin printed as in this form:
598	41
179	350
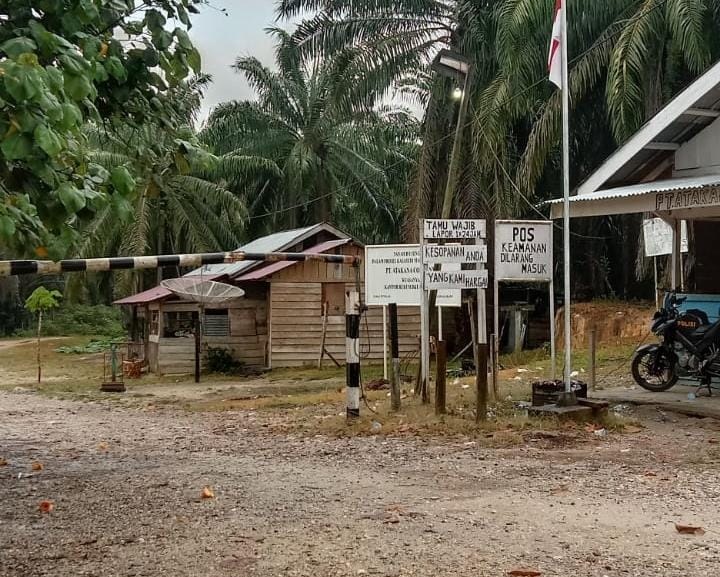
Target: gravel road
126	484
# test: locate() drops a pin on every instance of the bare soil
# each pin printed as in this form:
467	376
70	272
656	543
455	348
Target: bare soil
126	482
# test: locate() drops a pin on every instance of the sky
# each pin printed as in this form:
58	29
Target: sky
240	31
221	38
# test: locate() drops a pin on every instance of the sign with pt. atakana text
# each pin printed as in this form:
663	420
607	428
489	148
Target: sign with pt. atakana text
393	275
523	250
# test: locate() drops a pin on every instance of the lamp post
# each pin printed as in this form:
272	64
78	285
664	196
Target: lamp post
454	65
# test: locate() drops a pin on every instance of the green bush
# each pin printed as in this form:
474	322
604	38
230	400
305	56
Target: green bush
220	360
70	320
93	346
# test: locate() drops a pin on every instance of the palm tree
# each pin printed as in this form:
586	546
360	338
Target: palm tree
628	57
317	122
178	199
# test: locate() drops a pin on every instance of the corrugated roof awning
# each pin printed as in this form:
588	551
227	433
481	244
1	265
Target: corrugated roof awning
700	194
270	269
151	295
155	294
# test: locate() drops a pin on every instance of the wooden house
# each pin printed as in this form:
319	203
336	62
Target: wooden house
288	310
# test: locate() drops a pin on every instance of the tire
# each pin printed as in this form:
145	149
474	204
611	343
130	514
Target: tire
656	365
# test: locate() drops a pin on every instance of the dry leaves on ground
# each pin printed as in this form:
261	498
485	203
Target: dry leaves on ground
207	493
524	573
37	466
3	462
46	506
689	529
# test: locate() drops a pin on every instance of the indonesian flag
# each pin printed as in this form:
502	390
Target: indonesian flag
555	56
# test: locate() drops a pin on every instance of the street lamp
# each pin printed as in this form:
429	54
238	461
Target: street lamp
454	65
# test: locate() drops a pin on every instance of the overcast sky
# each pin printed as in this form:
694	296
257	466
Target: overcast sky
220	39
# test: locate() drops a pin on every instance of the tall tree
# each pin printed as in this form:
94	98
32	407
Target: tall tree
177	198
316	121
61	64
628	57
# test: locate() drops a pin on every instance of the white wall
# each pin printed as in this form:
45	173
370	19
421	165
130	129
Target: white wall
701	155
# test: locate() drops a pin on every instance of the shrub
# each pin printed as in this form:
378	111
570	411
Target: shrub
220	360
70	320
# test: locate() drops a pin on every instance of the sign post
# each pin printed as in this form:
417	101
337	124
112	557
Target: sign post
393	275
524	253
456	278
658	237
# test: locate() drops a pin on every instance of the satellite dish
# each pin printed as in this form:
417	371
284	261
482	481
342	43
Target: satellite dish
206	292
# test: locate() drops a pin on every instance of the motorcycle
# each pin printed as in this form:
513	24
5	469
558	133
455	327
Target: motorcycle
689	347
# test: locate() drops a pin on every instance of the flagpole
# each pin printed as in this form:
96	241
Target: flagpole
566	192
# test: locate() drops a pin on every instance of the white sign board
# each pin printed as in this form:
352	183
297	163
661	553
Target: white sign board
658	236
454	253
449	297
524	250
454	228
392	275
464	279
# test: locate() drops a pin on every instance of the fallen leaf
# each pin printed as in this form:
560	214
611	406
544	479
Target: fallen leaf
650	474
524	573
3	462
46	506
103	446
41	251
207	493
689	530
37	466
632	429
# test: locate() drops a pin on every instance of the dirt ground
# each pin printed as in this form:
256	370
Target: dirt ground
125	482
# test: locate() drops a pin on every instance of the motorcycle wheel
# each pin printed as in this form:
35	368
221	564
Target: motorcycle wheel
653	370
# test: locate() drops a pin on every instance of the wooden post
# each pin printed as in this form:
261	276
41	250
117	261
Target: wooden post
323	336
441	368
39	360
481	383
352	352
592	364
495	365
395	355
197	346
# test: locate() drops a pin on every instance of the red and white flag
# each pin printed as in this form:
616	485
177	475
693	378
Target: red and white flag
555	56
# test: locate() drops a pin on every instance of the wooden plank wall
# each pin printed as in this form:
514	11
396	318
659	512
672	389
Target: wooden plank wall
247	341
296	327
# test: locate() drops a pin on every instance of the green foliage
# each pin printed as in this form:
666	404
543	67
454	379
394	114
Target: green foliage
181	202
91	347
324	142
70	320
42	300
221	361
63	64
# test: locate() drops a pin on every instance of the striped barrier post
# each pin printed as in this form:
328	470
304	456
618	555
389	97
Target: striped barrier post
352	352
21	267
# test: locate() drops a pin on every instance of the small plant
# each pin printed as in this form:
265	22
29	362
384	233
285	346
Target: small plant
220	360
38	302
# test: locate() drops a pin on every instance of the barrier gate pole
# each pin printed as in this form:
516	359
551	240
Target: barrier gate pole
352	352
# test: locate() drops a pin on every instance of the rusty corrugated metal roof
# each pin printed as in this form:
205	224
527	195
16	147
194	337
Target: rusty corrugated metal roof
266	271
